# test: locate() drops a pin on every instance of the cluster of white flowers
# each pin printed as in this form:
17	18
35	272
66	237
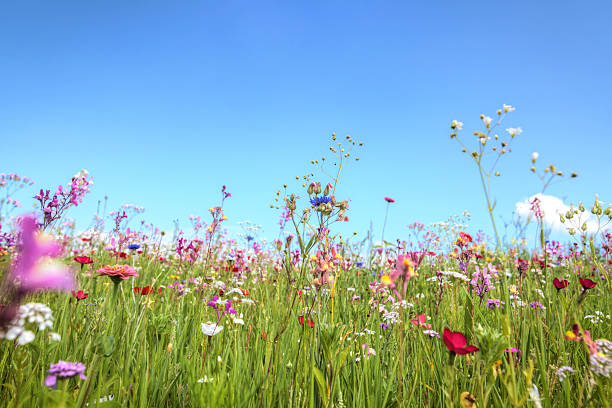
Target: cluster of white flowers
597	318
28	315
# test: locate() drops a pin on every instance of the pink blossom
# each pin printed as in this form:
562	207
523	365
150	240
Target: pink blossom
34	268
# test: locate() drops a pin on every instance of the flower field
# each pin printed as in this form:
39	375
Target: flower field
118	315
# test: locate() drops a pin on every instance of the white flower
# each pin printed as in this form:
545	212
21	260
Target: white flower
514	131
534	156
235	290
205	379
508	108
534	395
487	121
238	321
54	336
25	338
219	359
455	124
210	329
350	289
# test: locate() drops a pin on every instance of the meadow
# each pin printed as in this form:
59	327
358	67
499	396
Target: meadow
118	315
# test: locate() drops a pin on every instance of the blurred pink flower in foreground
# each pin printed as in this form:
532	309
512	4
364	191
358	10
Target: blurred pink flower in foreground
35	269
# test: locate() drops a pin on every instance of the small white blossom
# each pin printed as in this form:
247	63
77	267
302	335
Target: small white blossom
455	124
508	108
514	131
487	121
534	156
210	329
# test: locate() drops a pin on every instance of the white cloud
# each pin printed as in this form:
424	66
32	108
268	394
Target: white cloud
552	207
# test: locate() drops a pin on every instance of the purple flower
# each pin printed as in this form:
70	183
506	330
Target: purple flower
536	305
495	304
64	369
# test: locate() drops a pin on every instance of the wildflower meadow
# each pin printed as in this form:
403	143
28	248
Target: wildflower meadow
122	316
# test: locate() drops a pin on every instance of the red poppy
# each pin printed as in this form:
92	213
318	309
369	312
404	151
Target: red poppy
457	343
308	323
560	284
245	292
83	260
221	292
85	239
80	295
587	283
389	200
123	255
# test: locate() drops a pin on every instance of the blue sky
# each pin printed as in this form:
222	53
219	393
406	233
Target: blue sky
163	102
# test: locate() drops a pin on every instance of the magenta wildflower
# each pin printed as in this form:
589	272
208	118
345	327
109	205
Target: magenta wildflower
34	268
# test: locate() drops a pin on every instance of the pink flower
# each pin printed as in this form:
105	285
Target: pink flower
117	272
421	321
35	268
389	200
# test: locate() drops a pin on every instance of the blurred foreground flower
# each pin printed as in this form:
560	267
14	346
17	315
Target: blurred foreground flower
34	269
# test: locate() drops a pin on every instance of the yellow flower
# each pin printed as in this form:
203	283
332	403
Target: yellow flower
385	280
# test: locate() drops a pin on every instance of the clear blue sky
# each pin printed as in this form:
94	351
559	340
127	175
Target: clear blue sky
165	101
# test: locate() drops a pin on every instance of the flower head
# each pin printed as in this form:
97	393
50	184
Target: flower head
317	201
80	295
389	200
117	272
35	268
587	283
83	260
64	369
457	343
560	284
210	329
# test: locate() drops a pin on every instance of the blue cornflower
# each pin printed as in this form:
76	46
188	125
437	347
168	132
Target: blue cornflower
359	264
317	201
249	238
133	246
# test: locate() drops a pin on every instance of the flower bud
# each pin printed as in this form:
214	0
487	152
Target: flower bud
562	218
317	188
328	187
584	227
311	188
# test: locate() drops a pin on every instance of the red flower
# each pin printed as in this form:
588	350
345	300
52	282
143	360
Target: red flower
420	321
80	295
560	284
308	323
245	292
457	343
144	290
389	200
587	283
83	260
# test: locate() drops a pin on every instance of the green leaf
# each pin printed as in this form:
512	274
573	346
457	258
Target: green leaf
321	384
